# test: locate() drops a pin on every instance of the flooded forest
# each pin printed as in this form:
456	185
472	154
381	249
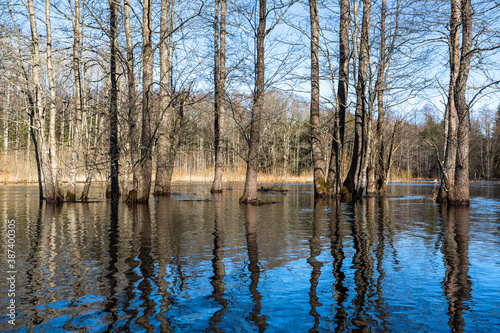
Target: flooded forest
250	166
345	95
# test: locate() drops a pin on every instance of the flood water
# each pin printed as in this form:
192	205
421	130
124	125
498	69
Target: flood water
181	264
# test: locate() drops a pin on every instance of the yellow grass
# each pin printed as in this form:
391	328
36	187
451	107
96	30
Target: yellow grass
237	176
15	169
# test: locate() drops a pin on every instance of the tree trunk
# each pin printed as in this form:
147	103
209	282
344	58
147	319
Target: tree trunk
349	189
77	122
59	195
320	188
175	138
114	154
343	86
250	192
460	195
448	177
39	116
133	114
381	167
162	183
6	124
143	185
220	92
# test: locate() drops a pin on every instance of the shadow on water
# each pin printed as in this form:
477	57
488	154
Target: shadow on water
456	284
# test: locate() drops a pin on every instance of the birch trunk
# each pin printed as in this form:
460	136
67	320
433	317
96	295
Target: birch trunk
77	120
59	195
38	114
320	188
220	92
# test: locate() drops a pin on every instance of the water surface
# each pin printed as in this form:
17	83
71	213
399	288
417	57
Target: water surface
181	264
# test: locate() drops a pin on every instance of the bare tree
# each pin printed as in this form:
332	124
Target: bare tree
143	185
77	119
59	195
448	177
350	188
320	188
114	153
220	91
342	91
133	114
250	192
164	165
39	114
460	195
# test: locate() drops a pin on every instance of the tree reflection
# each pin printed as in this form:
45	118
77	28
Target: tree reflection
456	283
253	266
379	252
217	280
341	291
165	238
146	267
315	247
34	274
111	304
362	264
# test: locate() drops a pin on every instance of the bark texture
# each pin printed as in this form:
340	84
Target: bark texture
143	185
460	196
164	164
320	188
220	92
114	154
449	165
250	192
455	174
57	195
133	112
38	114
350	189
77	118
343	87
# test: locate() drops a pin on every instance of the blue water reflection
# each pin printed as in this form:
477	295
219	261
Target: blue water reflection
400	263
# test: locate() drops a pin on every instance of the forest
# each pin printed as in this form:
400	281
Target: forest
347	94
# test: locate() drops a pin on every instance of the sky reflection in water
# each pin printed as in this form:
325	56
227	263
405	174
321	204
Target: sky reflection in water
387	264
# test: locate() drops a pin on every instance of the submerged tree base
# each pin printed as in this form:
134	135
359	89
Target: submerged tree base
162	191
70	196
133	199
